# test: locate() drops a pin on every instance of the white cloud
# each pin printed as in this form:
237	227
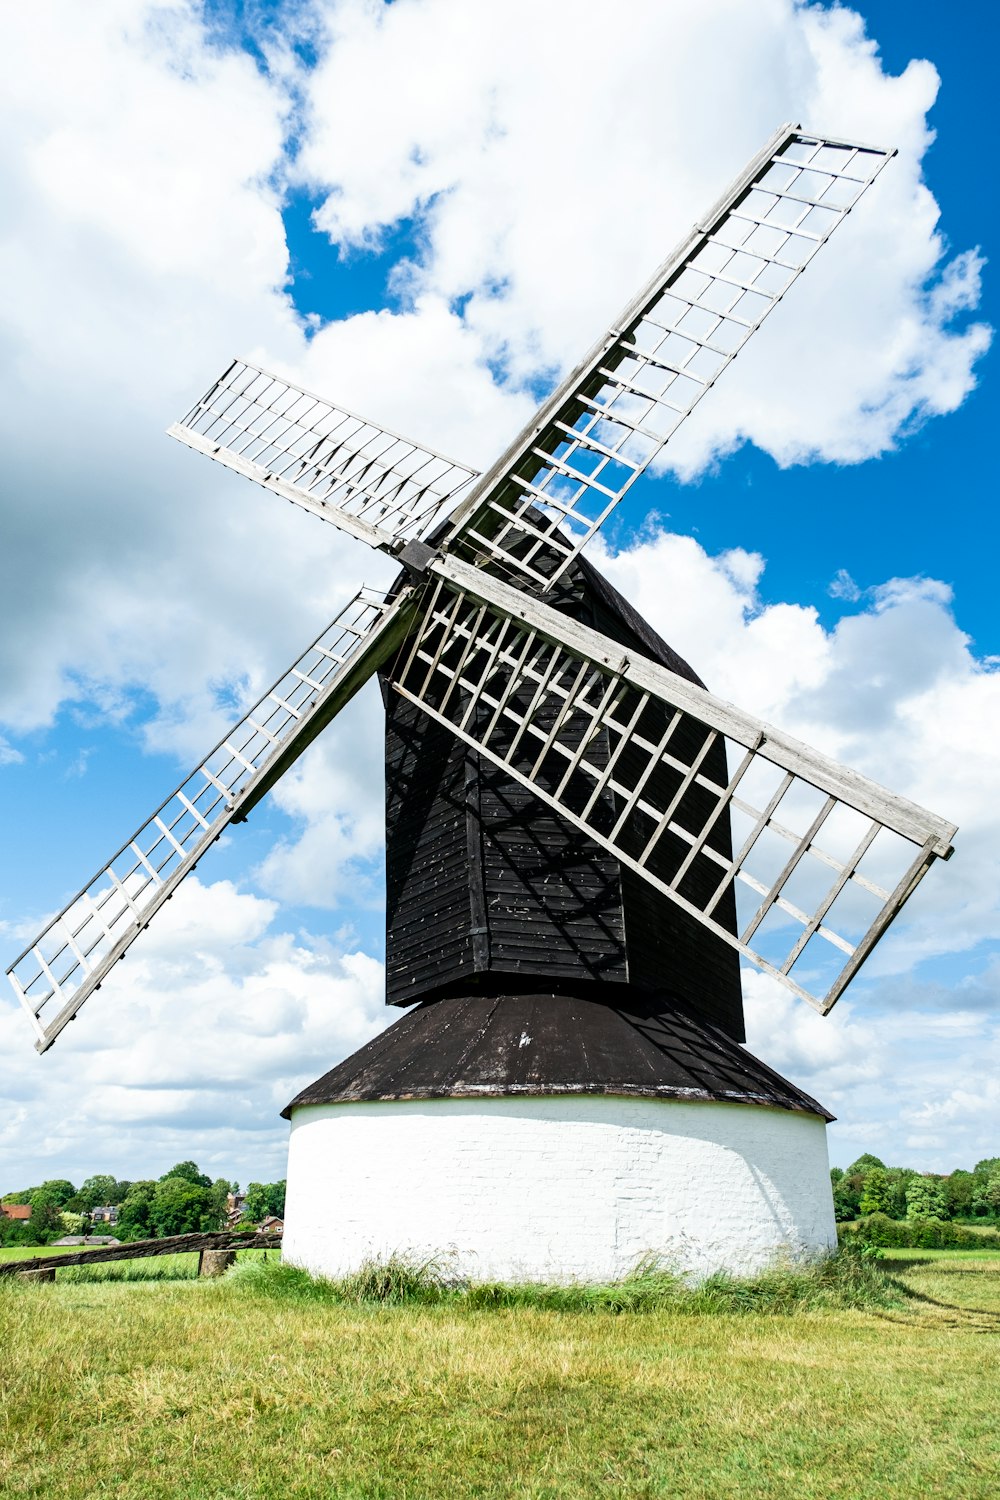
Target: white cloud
895	690
552	156
916	1088
191	1047
335	795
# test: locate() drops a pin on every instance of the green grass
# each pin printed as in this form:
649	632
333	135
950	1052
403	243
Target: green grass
850	1278
28	1252
266	1384
896	1252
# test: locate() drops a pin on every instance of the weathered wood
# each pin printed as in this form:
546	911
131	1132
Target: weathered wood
177	1244
45	1273
215	1262
897	813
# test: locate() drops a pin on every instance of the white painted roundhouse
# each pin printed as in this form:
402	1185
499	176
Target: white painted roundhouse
554	1138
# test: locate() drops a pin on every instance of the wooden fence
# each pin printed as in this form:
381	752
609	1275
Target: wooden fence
176	1244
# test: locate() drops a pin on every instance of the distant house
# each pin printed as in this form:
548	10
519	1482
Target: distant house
234	1209
272	1225
85	1240
15	1210
106	1214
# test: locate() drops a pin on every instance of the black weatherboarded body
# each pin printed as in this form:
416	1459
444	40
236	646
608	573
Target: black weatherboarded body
490	892
541	965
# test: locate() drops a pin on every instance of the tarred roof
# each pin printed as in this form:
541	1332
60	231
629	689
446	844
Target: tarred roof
477	1046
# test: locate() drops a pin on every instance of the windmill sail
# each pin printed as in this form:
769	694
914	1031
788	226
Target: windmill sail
823	858
369	481
652	767
70	958
589	442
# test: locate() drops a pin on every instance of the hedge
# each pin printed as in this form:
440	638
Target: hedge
917	1234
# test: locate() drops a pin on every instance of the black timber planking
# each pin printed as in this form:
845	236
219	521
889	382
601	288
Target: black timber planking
428	905
487	884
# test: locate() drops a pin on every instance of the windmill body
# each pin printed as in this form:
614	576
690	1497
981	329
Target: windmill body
568	1094
582	842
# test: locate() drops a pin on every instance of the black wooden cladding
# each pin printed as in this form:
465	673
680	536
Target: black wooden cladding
487	1046
485	882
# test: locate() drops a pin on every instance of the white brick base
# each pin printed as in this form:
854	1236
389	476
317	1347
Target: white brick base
556	1188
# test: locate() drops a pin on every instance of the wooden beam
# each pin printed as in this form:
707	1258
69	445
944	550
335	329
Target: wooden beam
176	1244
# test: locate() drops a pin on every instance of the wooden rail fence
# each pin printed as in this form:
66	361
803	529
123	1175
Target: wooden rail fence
176	1244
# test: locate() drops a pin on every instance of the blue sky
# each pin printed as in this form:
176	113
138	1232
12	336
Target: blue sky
328	213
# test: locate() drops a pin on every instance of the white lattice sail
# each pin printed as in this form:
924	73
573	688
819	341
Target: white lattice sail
653	767
794	860
69	959
367	480
586	446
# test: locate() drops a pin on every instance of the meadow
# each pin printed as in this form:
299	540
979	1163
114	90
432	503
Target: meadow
263	1384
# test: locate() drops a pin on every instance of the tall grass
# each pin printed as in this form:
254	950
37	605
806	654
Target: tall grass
182	1267
265	1383
847	1278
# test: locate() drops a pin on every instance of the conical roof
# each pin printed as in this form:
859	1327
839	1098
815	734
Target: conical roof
490	1045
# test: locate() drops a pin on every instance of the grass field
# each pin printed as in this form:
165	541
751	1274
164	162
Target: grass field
180	1390
26	1252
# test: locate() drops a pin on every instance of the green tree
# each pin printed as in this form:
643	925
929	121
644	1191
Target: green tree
95	1192
924	1199
263	1198
841	1209
899	1178
957	1190
183	1207
46	1223
875	1194
135	1216
189	1171
986	1196
22	1196
863	1163
221	1188
59	1189
847	1196
16	1232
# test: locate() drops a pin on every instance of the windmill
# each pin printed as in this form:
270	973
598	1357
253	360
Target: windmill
582	841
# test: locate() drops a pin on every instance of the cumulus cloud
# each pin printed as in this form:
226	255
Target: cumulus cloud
915	1086
135	278
894	689
334	796
548	179
193	1044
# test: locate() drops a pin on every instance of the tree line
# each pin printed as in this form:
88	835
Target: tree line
868	1187
184	1200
